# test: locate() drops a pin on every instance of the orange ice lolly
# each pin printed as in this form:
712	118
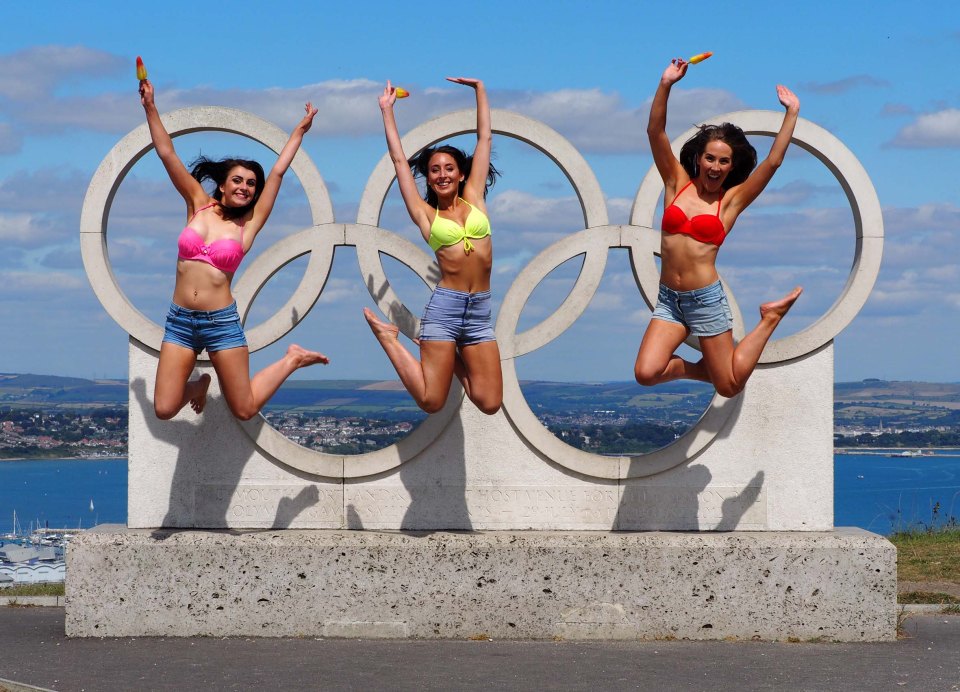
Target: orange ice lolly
402	93
699	57
141	70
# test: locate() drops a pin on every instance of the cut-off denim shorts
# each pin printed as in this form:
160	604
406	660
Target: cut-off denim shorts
704	311
214	330
464	318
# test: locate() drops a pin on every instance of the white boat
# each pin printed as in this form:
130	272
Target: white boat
17	532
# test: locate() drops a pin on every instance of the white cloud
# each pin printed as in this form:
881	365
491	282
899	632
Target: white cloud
35	286
29	230
533	213
33	73
796	192
594	120
897	109
931	130
842	86
43	190
10	140
597	121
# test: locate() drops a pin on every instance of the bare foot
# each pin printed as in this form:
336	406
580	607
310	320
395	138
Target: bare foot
779	308
199	399
304	358
384	331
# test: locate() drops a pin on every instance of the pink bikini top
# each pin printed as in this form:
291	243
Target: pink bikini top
224	254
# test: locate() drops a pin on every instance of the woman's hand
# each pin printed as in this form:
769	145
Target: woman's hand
146	93
308	118
468	81
675	71
388	97
788	99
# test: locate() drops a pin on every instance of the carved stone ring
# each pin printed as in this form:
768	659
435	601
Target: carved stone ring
371	241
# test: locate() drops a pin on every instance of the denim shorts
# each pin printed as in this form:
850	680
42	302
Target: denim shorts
214	330
464	318
704	311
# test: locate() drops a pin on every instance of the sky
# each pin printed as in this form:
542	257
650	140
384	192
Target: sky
876	76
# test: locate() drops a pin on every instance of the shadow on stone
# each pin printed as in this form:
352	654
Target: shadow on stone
438	500
206	504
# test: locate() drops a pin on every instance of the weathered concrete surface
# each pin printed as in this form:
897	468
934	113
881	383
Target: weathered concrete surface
761	461
748	465
838	585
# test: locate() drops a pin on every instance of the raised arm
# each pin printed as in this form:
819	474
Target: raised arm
743	194
188	187
474	185
419	210
271	186
667	164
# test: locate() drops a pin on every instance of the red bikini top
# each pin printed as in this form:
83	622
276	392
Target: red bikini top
224	254
705	228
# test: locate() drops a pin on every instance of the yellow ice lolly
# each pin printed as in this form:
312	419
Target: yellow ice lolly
141	70
699	57
402	93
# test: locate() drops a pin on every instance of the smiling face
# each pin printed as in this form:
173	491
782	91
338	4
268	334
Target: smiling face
715	163
443	175
239	187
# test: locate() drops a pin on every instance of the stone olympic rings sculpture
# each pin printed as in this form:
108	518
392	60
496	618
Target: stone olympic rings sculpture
592	243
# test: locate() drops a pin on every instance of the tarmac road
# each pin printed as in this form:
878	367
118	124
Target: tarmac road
34	651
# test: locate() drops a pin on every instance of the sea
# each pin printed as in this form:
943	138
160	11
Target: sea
873	490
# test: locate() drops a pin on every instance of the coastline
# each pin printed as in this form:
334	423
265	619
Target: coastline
61	458
851	451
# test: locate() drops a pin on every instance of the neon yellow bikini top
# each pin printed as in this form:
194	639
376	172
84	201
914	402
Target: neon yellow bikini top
445	232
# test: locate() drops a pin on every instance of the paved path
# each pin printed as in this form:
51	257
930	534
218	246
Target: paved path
946	587
34	651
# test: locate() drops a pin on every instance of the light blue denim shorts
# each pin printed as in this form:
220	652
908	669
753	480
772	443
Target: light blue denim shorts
464	318
704	311
214	330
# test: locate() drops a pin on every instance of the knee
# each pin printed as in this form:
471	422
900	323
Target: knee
432	405
646	375
489	407
728	389
164	412
243	412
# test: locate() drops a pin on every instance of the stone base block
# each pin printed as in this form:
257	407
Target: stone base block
838	585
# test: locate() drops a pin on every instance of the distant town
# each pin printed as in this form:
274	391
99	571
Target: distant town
56	417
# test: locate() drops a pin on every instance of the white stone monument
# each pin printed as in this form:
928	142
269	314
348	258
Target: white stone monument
760	462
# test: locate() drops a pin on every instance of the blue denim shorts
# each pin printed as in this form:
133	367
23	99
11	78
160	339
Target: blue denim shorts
464	318
704	311
214	330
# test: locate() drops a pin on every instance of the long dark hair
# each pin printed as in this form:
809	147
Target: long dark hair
744	155
420	165
204	169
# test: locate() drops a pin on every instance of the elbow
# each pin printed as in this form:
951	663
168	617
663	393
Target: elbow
166	153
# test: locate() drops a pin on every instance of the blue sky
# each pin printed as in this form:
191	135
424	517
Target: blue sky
875	75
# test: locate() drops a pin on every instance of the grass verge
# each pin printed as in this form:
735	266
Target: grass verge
55	589
928	555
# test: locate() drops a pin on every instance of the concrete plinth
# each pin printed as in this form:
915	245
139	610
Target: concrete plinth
838	585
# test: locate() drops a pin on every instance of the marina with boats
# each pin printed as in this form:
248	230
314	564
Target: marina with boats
34	556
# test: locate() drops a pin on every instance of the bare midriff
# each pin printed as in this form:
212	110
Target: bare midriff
201	286
687	264
469	273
